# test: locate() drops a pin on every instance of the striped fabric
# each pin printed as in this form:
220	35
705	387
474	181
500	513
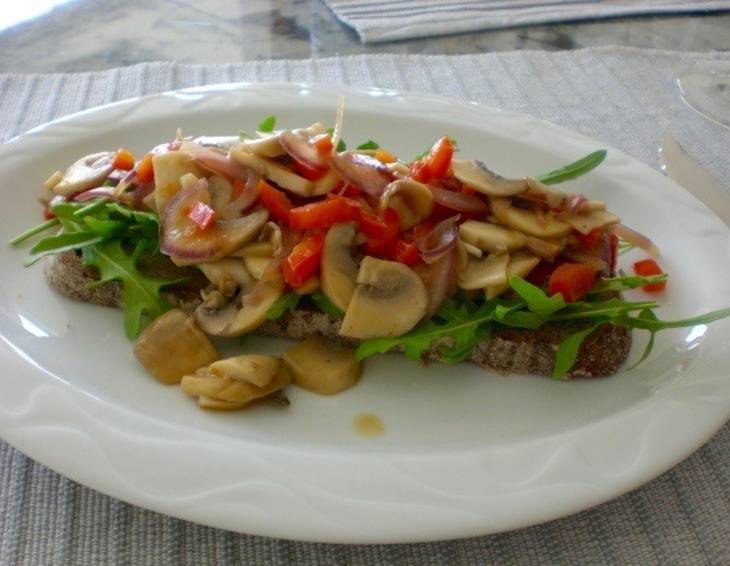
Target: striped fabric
626	98
389	20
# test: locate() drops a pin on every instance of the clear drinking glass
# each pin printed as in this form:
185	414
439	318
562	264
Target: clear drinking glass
706	89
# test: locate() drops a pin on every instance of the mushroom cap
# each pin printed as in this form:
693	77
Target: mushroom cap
527	221
86	173
485	272
322	367
389	300
339	270
490	237
413	201
244	313
477	176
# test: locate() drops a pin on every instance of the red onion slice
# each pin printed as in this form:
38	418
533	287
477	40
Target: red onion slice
458	201
363	171
434	245
97	192
297	145
245	200
442	273
186	244
633	237
216	162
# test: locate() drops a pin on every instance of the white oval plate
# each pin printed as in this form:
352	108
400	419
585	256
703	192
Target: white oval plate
464	452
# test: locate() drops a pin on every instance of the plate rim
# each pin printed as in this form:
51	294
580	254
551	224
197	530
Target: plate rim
18	439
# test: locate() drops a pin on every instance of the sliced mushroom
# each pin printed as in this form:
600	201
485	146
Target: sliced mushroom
173	346
327	183
256	263
477	176
322	367
339	270
413	201
490	271
555	198
388	301
228	275
274	171
245	312
589	221
232	383
169	167
521	263
257	369
266	146
545	249
53	180
527	221
86	173
490	237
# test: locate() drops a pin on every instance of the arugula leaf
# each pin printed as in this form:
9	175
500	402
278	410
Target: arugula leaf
28	234
287	302
61	243
575	169
567	352
341	145
322	302
370	144
646	314
655	325
105	228
268	124
626	283
536	299
141	294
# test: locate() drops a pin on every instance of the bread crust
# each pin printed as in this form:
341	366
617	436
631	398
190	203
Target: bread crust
505	350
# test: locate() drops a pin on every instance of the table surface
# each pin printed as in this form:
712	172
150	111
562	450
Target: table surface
101	34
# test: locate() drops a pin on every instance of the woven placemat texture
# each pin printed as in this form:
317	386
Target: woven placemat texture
623	97
377	21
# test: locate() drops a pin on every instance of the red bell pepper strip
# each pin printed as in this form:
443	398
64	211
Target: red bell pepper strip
439	159
202	214
647	268
145	170
590	240
404	252
323	143
572	280
124	159
379	244
323	214
303	261
276	201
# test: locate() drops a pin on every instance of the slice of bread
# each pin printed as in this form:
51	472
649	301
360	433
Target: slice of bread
506	350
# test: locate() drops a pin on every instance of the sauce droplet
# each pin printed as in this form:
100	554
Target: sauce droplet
368	425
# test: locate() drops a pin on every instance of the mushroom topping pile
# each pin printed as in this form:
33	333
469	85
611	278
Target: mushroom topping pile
285	215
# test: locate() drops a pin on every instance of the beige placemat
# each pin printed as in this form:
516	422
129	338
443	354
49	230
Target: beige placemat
623	97
388	20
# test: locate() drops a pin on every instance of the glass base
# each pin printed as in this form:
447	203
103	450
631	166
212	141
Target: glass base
706	89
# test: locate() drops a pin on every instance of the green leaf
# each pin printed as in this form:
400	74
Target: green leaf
626	283
575	169
611	308
61	243
322	302
341	145
268	124
536	299
105	228
287	302
568	352
141	294
655	325
28	234
649	315
370	144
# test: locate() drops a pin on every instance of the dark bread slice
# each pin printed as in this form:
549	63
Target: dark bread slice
505	350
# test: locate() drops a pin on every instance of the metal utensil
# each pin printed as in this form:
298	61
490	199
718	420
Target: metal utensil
694	177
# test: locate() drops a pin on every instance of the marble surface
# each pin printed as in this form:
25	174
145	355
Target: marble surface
83	35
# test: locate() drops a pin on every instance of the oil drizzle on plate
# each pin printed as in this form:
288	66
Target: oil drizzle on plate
368	425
